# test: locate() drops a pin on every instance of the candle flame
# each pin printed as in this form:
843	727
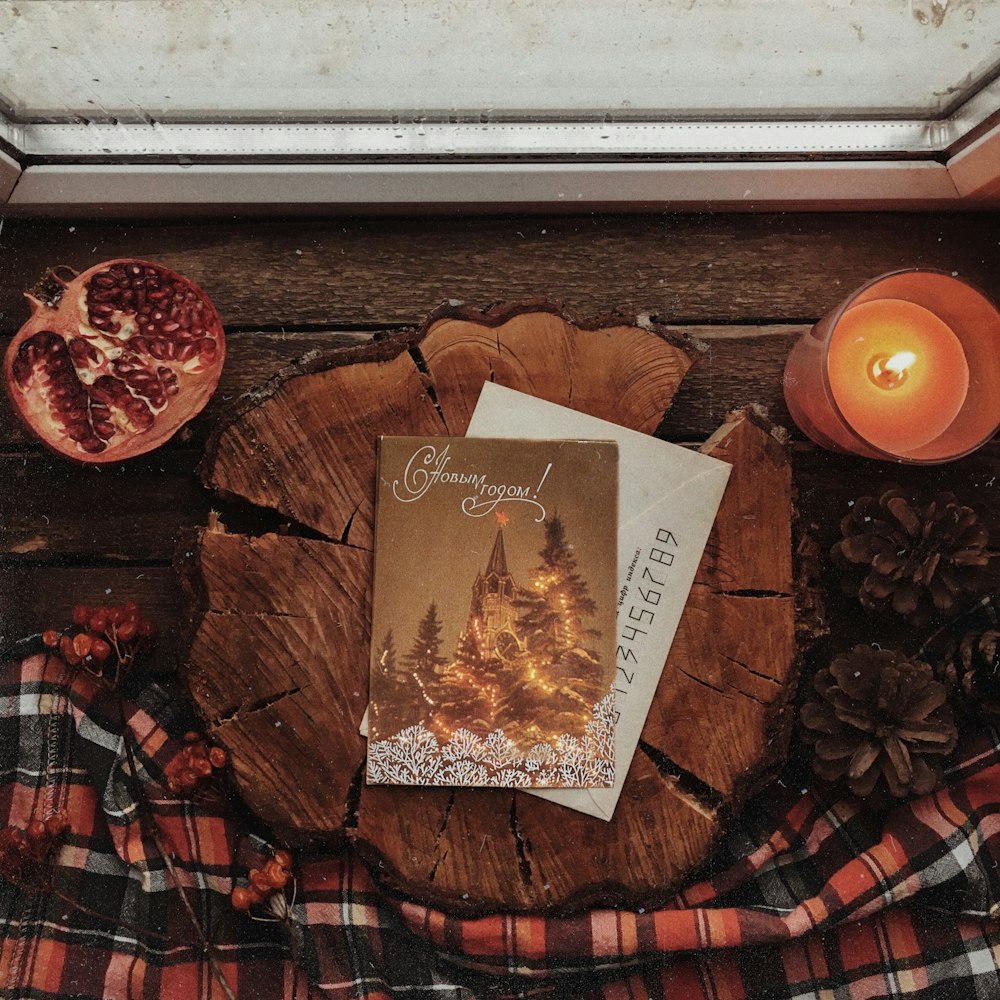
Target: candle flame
891	372
899	362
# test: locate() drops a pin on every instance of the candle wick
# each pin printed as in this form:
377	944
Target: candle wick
890	372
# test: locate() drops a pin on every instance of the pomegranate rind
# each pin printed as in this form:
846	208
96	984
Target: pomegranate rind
127	378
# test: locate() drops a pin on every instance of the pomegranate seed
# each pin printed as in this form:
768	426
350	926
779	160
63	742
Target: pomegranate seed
103	280
138	412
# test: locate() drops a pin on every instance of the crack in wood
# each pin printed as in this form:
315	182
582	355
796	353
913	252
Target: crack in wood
440	834
437	864
234	713
704	683
421	362
521	844
750	670
731	687
237	613
353	798
345	534
750	593
275	522
445	816
699	794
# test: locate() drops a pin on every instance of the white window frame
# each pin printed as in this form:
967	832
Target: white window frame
114	169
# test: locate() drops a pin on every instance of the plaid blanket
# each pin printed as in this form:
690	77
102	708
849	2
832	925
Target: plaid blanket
805	898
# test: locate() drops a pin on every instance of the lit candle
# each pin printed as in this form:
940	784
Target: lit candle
906	368
898	374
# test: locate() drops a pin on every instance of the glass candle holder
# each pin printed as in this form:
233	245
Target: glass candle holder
907	369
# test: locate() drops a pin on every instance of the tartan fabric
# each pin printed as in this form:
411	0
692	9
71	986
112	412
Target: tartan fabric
804	899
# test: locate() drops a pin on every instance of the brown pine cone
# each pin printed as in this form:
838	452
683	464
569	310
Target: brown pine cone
923	558
879	715
971	668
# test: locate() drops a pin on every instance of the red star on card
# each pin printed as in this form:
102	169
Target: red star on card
502	518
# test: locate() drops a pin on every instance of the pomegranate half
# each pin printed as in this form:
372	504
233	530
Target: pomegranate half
115	361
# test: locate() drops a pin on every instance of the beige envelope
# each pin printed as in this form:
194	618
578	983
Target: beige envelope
668	497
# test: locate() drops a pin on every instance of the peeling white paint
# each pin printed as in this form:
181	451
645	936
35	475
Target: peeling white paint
380	60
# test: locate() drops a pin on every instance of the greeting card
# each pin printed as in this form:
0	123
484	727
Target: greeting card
493	618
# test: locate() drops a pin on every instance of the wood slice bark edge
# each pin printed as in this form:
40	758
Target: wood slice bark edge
413	378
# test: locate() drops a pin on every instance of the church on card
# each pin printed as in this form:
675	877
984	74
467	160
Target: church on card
493	619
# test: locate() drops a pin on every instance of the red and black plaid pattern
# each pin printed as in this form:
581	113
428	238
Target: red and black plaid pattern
807	900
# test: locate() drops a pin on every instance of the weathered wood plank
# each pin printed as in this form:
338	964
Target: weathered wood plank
138	513
34	598
739	363
686	268
51	509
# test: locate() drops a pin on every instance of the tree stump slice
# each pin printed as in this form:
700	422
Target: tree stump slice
278	662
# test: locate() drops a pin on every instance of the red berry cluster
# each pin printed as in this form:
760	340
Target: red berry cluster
196	761
265	882
106	638
23	852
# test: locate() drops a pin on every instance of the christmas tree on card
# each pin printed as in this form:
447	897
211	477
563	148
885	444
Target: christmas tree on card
494	613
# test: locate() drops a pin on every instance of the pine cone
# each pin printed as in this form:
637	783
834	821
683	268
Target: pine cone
971	668
879	714
921	558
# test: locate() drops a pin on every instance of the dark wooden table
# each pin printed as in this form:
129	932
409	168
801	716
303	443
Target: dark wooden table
744	285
